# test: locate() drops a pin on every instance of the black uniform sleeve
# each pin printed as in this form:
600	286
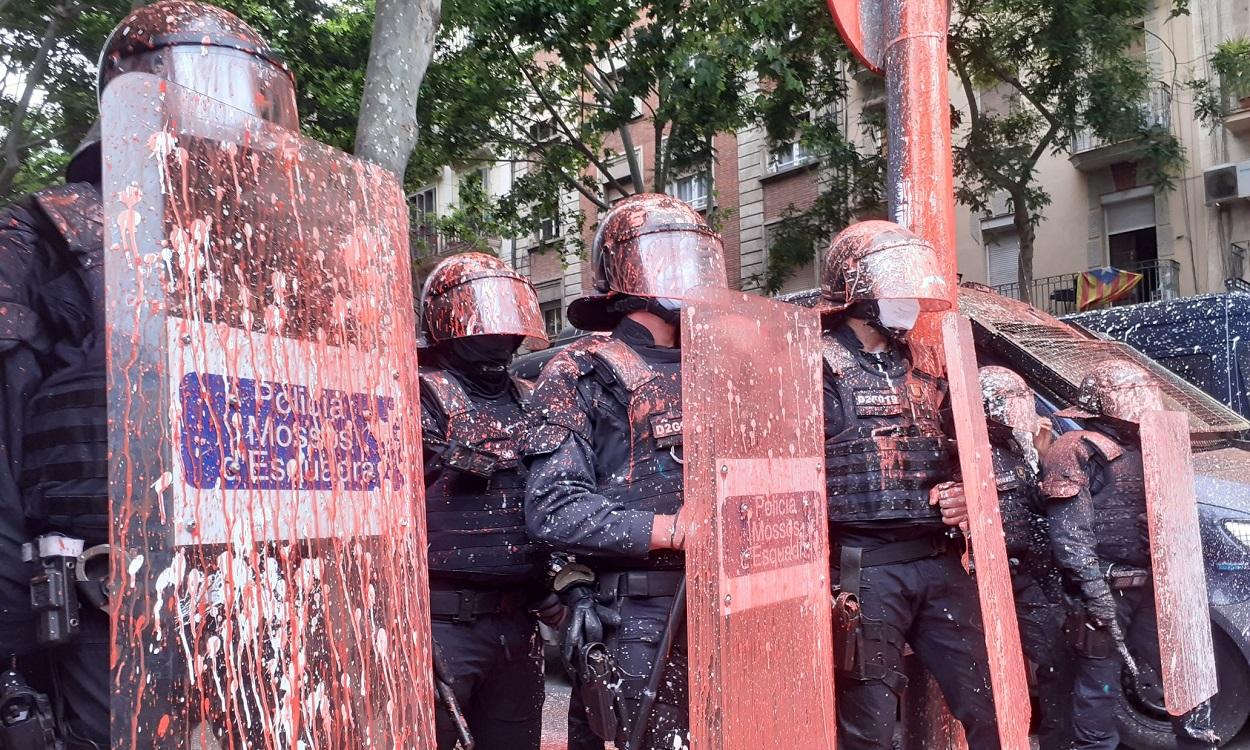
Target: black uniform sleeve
834	422
433	434
563	507
1067	473
21	336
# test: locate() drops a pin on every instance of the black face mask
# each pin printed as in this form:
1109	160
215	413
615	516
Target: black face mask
481	362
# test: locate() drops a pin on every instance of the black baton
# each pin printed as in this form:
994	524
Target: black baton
447	696
676	619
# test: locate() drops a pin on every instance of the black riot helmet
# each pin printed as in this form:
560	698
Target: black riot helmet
206	49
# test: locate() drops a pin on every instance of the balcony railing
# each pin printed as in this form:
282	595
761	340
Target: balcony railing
1156	113
1057	294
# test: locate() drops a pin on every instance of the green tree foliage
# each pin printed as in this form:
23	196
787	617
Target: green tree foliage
544	86
326	42
1052	68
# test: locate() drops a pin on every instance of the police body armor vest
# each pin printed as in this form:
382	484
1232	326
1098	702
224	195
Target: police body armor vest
1017	503
1118	487
475	508
65	462
652	477
892	449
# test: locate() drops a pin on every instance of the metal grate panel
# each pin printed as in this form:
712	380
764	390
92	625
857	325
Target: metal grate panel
1067	355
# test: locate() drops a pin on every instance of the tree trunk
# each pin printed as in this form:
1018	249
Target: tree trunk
400	52
1023	224
12	149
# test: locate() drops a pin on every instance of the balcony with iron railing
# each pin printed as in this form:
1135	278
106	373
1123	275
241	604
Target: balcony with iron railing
1092	151
1235	261
1057	294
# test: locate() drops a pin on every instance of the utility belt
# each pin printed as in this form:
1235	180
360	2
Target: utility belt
466	605
867	649
638	584
65	577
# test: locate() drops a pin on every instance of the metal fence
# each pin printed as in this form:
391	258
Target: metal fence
1057	294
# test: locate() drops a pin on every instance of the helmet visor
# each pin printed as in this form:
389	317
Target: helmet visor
669	265
244	81
494	305
903	271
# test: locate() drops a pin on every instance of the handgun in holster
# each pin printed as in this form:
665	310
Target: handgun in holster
848	633
1086	638
596	684
26	718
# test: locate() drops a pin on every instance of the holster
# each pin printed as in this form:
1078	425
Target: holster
864	649
596	680
1088	641
26	718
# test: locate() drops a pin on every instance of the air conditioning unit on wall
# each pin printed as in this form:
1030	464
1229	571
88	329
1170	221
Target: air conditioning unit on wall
1227	182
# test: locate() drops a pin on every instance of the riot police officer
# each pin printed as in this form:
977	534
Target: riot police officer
606	478
53	423
486	576
1019	440
893	507
1093	481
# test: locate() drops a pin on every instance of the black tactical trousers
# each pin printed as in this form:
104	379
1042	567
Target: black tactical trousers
1041	637
1098	688
581	737
933	604
81	685
635	645
497	671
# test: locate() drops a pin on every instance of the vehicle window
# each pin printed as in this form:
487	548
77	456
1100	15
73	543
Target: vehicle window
1197	369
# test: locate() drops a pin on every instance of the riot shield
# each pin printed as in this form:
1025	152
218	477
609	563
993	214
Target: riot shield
1188	658
757	562
267	564
993	572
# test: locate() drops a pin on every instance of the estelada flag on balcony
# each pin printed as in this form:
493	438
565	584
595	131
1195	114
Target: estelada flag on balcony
1100	286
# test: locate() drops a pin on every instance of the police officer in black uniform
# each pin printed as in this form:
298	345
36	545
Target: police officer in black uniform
53	421
1019	440
893	507
606	477
1093	481
486	576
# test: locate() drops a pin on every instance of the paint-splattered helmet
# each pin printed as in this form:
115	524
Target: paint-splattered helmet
206	49
1008	399
475	294
652	246
879	260
1118	389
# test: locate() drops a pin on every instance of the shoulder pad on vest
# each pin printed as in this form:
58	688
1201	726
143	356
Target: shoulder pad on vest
1064	470
524	390
836	356
450	394
625	364
1110	449
554	403
77	212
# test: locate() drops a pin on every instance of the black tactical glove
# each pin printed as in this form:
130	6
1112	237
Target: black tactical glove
1099	604
550	611
585	623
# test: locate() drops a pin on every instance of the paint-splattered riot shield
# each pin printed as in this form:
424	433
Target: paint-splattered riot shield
267	563
760	632
1188	658
985	528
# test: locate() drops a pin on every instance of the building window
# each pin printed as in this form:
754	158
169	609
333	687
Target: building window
424	207
543	131
692	189
1002	260
553	317
787	156
548	229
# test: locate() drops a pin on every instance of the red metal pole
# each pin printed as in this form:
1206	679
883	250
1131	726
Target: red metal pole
919	180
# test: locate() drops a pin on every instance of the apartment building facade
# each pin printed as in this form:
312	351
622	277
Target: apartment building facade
1104	212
